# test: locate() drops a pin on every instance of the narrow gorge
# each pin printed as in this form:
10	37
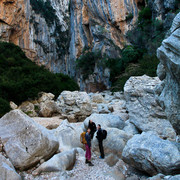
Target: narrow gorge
66	62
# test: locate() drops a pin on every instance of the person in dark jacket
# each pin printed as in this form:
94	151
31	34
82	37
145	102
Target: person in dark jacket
92	127
100	141
88	147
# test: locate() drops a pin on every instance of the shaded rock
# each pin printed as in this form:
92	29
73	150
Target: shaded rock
43	97
111	160
28	108
147	152
176	177
144	112
25	142
59	162
114	143
169	55
130	128
74	103
47	108
7	171
97	98
49	123
106	120
103	109
68	135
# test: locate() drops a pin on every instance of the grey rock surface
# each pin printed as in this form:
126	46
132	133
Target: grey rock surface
25	142
147	152
169	55
7	171
144	112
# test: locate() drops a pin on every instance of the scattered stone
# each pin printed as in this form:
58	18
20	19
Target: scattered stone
59	162
111	159
68	135
13	105
49	123
25	142
7	171
97	98
147	152
28	108
144	111
74	103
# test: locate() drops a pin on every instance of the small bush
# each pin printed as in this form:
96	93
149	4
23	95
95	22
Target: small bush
4	107
22	79
129	17
145	14
86	62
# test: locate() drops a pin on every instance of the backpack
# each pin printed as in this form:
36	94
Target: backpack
104	134
83	138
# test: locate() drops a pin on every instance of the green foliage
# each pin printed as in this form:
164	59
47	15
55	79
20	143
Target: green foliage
129	17
145	14
45	9
86	62
22	79
4	106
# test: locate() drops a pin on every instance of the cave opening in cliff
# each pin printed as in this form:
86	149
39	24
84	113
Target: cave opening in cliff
141	4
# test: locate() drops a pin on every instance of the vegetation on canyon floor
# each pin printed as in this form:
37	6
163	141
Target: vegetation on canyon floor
22	79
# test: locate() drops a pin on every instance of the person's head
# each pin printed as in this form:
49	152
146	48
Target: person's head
90	121
89	130
99	126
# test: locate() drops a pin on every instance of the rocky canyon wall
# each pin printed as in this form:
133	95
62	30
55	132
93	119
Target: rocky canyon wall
169	72
101	26
27	24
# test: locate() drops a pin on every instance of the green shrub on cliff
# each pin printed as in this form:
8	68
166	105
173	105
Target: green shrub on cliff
86	62
22	79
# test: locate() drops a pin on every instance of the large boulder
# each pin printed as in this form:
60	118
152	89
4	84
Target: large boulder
28	108
106	120
47	108
25	142
147	152
169	72
114	143
76	105
59	162
7	171
68	135
144	111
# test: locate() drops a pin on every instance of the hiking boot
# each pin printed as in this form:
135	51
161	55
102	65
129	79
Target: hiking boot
101	157
91	164
86	161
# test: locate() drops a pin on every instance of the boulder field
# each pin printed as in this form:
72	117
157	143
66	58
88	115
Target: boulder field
142	126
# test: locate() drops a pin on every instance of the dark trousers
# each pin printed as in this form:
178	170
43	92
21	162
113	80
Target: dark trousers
92	134
101	149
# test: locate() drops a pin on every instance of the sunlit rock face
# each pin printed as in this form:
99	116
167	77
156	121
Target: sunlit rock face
31	30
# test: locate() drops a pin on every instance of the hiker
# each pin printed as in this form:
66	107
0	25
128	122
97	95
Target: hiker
100	136
88	147
92	127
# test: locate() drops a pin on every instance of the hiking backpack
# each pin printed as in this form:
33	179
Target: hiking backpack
104	134
83	138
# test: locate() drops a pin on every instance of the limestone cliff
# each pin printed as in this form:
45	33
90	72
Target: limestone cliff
27	24
101	26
